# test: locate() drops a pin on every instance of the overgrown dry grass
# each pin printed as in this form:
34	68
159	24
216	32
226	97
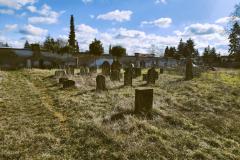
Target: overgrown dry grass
198	119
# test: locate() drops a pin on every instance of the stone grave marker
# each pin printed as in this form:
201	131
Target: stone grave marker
161	70
143	100
115	75
138	72
106	68
62	80
145	77
128	75
189	69
68	84
101	83
152	76
60	73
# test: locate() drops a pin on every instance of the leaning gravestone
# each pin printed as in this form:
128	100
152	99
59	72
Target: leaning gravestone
128	75
152	76
189	69
100	83
68	84
143	100
106	68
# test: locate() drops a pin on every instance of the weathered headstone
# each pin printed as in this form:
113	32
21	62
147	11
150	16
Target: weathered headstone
93	69
145	77
106	68
70	70
138	72
143	100
100	83
60	73
116	65
62	80
115	75
152	76
128	75
189	69
82	71
68	84
161	70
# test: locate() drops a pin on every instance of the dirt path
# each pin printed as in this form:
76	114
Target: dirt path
29	125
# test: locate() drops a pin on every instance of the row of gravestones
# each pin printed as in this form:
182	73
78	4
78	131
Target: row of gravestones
129	74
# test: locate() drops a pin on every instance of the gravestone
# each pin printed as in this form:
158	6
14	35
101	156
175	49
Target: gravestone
152	76
128	75
106	68
116	65
138	72
60	73
100	83
62	80
82	71
143	100
189	69
161	70
68	84
115	75
93	69
145	77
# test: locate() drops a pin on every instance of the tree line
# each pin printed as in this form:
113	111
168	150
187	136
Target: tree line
71	46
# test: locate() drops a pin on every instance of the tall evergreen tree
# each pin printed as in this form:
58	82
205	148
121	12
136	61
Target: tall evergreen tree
190	48
166	53
234	39
181	48
27	45
72	36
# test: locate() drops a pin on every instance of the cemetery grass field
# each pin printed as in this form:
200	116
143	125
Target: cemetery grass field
198	119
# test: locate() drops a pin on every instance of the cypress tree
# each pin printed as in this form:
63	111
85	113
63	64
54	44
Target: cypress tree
72	36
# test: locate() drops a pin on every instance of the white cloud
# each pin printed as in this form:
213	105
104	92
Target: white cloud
117	15
201	29
32	9
160	1
87	1
11	27
226	20
33	31
47	15
16	4
161	22
7	11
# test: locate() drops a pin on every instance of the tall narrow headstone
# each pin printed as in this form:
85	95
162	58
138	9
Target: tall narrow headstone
189	69
128	75
143	100
100	83
106	68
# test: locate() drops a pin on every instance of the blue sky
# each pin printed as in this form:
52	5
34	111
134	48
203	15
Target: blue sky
138	25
